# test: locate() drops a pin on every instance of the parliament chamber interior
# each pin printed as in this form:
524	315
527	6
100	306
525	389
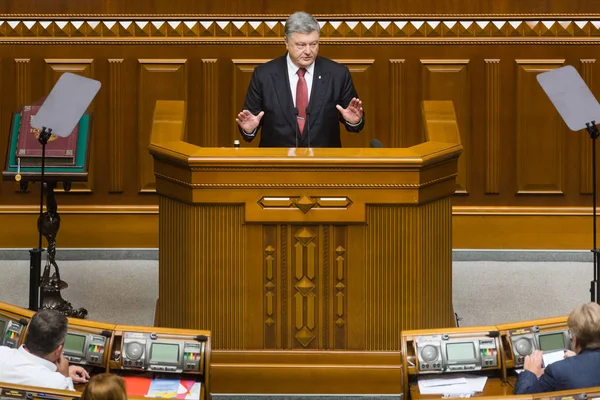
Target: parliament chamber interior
437	247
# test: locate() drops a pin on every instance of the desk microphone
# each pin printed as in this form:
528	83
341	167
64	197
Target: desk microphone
307	125
296	125
374	143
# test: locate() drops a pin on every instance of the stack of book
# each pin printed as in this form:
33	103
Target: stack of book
60	151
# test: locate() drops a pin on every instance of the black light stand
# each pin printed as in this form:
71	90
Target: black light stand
35	255
594	289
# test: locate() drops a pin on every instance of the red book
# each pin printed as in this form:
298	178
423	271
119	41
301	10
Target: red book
28	145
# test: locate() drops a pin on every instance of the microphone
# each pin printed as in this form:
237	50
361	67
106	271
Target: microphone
307	125
374	143
296	125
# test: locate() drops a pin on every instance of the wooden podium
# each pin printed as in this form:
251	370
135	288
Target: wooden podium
298	259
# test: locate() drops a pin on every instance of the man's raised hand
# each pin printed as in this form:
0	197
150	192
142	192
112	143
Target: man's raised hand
248	121
353	113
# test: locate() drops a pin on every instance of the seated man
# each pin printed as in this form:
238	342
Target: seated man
40	361
574	372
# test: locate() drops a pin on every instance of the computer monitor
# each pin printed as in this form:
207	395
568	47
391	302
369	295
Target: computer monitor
461	352
75	344
164	353
2	330
552	341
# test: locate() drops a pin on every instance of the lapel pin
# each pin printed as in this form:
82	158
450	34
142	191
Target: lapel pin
319	76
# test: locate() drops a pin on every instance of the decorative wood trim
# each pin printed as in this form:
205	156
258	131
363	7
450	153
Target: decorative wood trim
529	92
591	41
148	92
286	319
86	209
140	28
325	298
84	67
585	143
153	210
397	102
23	79
210	102
305	185
116	142
271	274
523	211
492	122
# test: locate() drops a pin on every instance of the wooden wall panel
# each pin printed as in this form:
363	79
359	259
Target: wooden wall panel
397	110
540	133
492	125
361	71
242	74
449	80
396	61
116	150
159	79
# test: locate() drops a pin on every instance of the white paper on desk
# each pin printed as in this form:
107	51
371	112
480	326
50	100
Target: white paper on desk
551	357
473	383
430	382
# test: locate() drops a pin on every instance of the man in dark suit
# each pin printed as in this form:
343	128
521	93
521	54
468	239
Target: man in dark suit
299	98
579	369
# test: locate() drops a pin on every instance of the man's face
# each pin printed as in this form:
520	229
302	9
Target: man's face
303	48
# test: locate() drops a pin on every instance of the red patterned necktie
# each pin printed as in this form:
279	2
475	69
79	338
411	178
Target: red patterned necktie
301	98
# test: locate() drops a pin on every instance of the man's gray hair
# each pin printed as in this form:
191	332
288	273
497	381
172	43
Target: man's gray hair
301	22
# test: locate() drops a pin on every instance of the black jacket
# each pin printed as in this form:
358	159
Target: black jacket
577	372
269	91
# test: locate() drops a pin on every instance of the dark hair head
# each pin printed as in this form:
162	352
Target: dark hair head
105	387
46	331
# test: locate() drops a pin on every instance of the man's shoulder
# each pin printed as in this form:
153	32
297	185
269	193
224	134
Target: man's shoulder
4	350
270	66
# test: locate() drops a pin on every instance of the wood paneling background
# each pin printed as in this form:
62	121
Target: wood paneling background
519	157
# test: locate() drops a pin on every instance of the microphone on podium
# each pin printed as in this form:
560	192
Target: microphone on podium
374	143
307	126
296	125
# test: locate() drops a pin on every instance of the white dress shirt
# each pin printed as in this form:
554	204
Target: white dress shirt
23	368
293	75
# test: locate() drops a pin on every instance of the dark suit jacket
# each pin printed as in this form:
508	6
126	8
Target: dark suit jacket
269	91
577	372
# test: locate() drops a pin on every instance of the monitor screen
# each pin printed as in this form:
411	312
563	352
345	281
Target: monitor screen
2	327
164	352
552	341
460	351
74	343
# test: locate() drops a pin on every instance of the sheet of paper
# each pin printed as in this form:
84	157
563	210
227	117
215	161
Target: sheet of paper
472	383
163	388
430	382
551	357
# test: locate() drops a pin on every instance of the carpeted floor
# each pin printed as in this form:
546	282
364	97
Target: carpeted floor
485	292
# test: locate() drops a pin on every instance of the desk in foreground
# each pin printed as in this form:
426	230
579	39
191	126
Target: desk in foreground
303	249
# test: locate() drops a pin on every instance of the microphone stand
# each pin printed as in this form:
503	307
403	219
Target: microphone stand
594	289
296	125
35	255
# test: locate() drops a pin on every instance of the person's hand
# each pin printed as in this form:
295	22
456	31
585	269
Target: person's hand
353	113
533	363
62	365
78	374
569	353
248	121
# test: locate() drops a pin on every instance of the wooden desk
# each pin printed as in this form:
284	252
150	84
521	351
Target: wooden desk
312	250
